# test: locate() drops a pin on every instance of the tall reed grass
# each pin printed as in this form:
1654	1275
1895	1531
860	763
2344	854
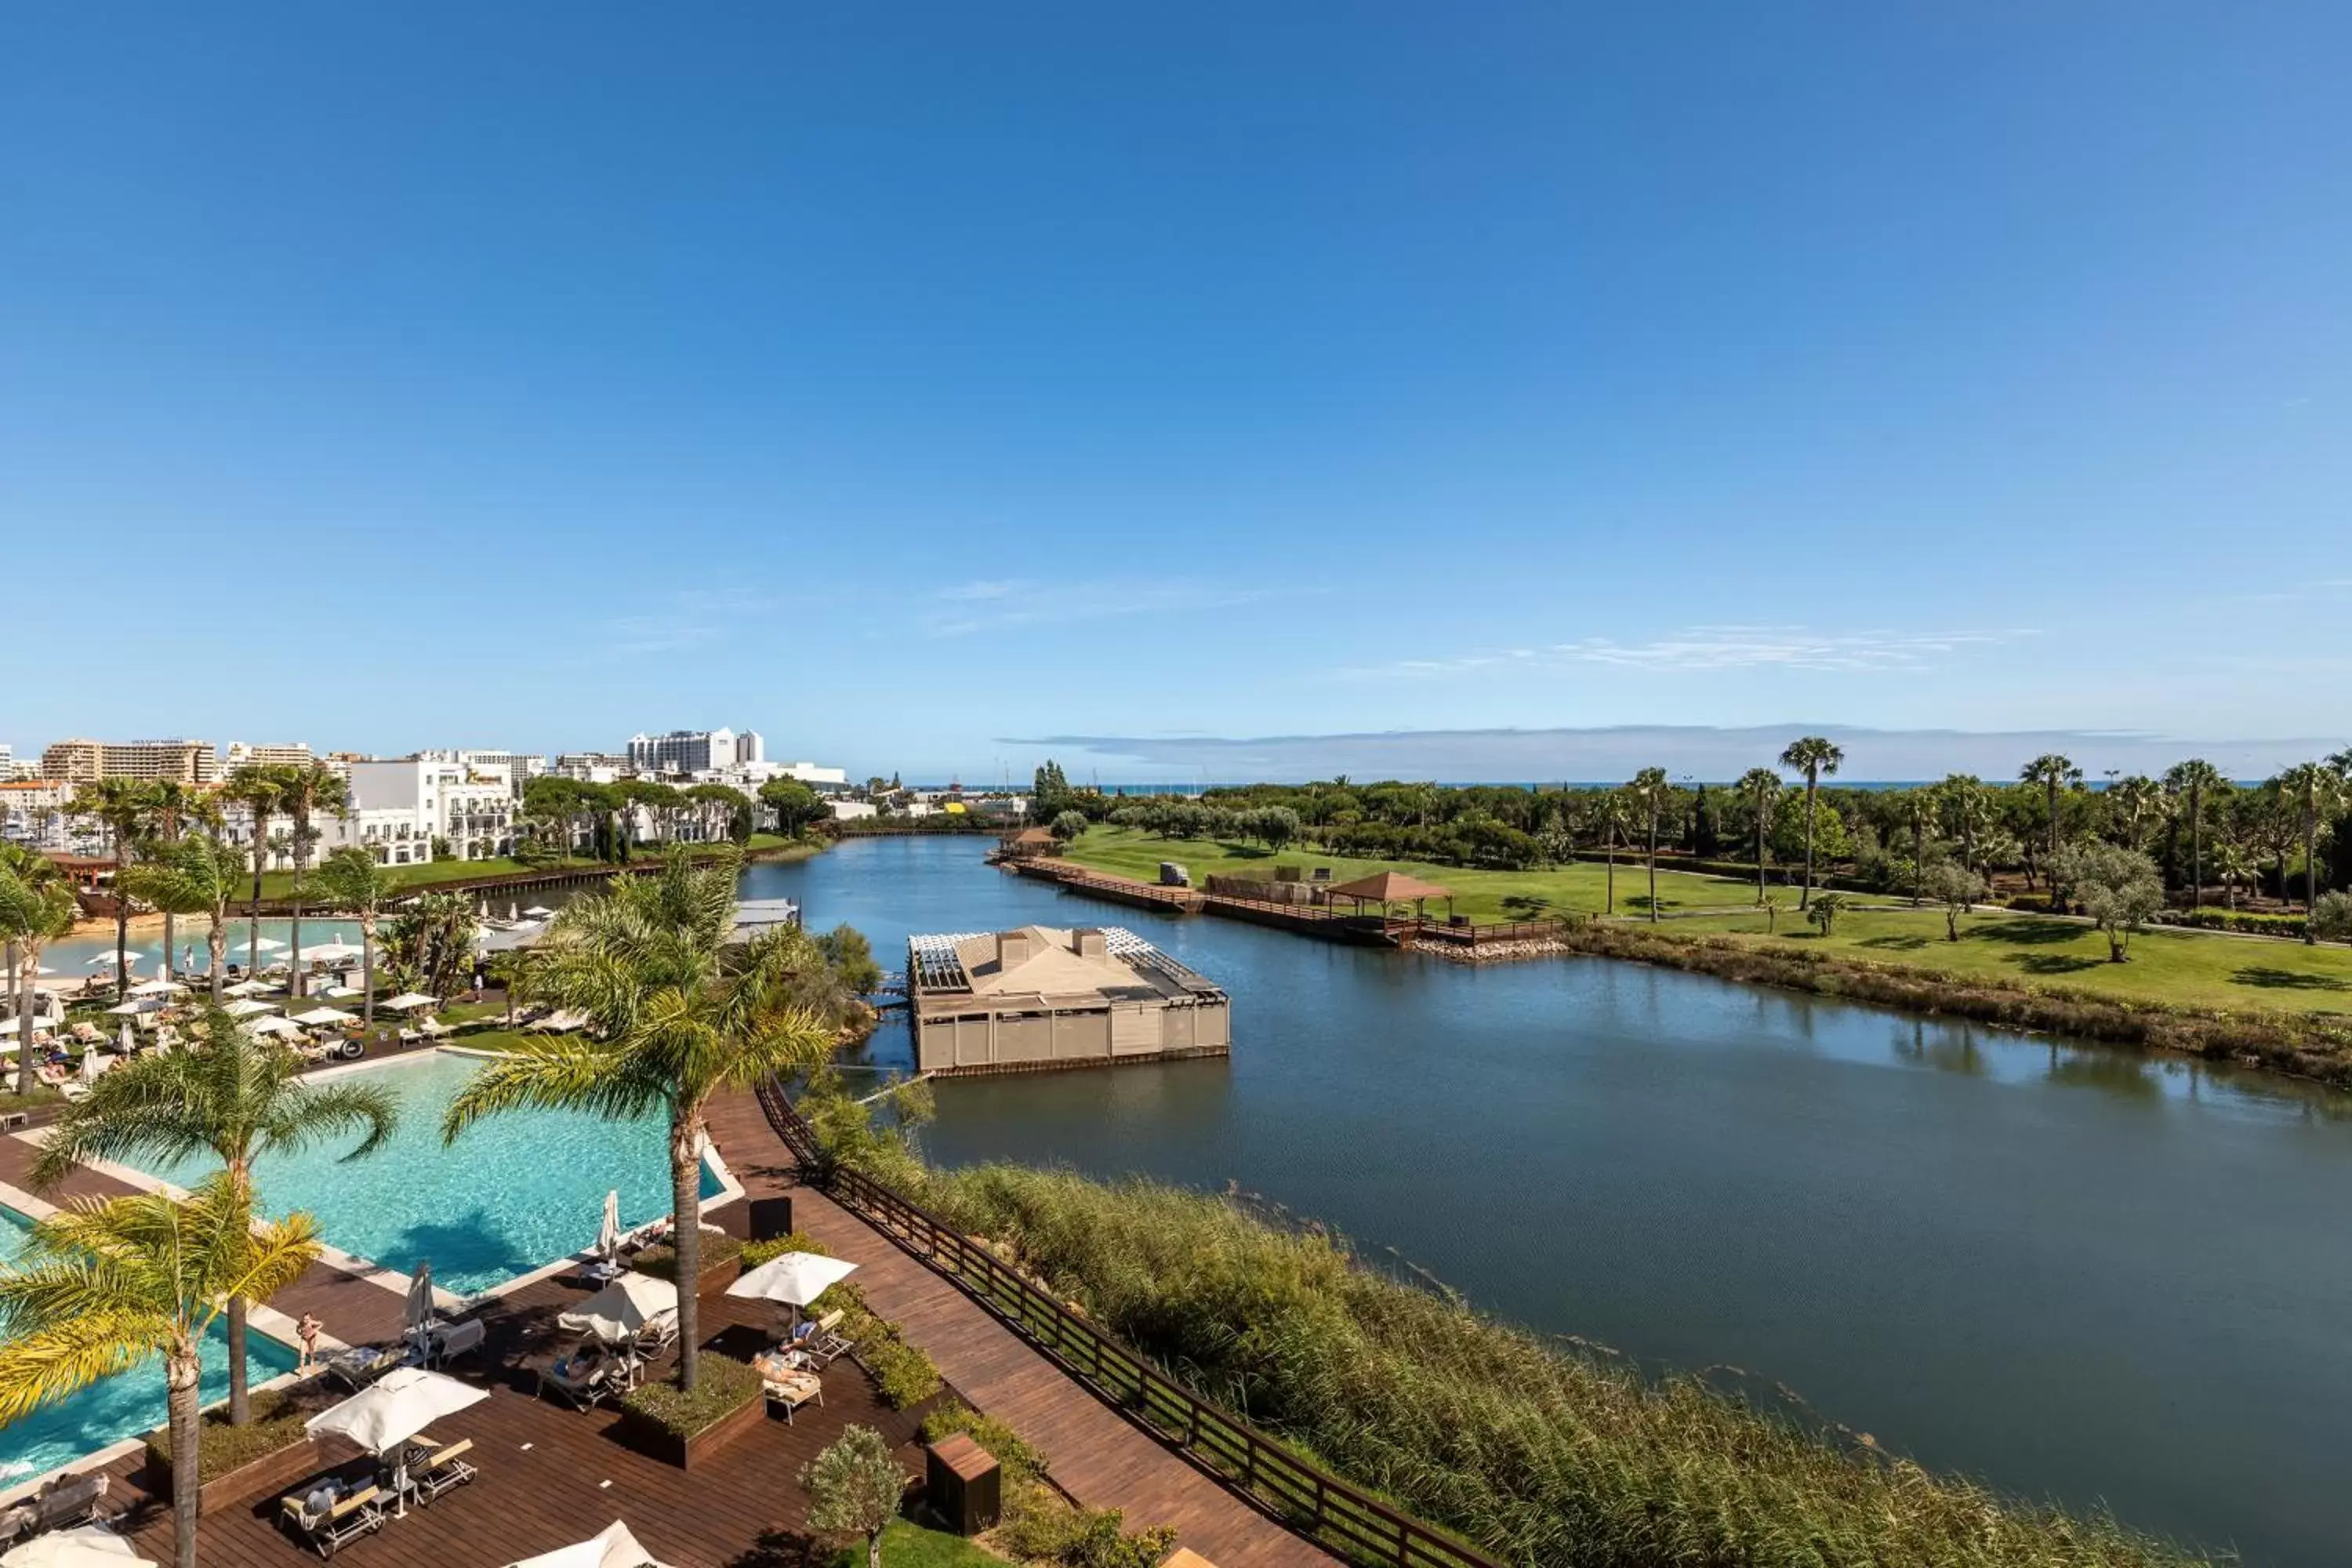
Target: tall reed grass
1545	1455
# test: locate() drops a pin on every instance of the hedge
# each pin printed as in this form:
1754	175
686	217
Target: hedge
722	1386
277	1422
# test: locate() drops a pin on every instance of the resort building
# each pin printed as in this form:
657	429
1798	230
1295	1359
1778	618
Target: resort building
87	762
396	836
1039	998
690	751
470	805
294	754
591	767
520	767
33	812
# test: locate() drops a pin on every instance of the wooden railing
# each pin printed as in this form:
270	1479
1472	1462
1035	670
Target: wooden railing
1313	1502
1478	935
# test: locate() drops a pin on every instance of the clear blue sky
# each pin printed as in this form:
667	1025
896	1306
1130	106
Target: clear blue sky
902	379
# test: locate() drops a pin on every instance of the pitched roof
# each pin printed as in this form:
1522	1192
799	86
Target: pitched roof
1390	888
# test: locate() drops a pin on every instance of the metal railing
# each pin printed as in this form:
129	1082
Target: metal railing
1333	1512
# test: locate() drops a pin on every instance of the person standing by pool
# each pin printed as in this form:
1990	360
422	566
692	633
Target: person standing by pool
307	1330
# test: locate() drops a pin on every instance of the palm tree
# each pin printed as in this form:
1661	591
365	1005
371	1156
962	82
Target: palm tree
2233	866
2135	800
1921	802
2195	778
125	809
1962	798
1612	823
351	879
225	1094
676	1013
176	805
1762	788
2313	788
260	788
1812	756
1649	787
307	791
104	1285
197	876
2052	772
37	907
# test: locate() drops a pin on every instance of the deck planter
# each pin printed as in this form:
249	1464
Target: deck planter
268	1474
656	1441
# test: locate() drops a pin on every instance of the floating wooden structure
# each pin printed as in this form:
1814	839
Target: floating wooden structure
1040	998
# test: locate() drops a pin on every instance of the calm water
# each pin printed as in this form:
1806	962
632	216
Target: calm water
2069	1271
128	1405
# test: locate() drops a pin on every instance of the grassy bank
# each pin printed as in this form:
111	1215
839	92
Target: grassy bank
1541	1453
280	885
1484	896
2171	967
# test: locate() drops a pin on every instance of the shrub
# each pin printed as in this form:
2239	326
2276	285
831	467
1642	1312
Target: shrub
1019	1461
854	1487
2250	923
722	1386
755	1253
2331	921
1084	1538
661	1261
277	1423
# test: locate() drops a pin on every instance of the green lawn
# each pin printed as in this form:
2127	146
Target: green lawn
905	1545
2197	968
1484	896
280	884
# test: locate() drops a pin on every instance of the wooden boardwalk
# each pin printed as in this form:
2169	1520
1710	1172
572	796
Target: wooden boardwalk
1094	1453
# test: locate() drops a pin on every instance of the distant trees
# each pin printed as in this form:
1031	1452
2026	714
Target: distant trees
1067	825
1647	792
2052	772
2311	788
2197	780
797	808
1815	757
2119	889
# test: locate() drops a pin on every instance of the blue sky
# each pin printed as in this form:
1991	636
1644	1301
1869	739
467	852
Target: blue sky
904	382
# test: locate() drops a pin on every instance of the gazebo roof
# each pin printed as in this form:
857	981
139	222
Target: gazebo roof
1390	888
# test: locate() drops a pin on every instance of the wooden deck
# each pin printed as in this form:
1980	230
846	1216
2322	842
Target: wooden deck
551	1475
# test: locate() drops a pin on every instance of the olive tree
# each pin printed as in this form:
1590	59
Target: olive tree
2118	888
2331	917
854	1487
1956	888
1067	825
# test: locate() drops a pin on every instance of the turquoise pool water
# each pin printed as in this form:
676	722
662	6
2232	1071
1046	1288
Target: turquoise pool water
516	1191
128	1405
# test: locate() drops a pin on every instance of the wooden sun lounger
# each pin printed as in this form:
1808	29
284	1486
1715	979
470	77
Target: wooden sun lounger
440	1471
355	1515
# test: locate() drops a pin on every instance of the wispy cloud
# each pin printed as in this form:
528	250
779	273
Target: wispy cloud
1714	647
969	609
681	619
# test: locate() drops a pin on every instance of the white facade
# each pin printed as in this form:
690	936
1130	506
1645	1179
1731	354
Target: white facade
694	750
749	748
591	767
240	754
395	834
853	810
469	804
520	767
33	812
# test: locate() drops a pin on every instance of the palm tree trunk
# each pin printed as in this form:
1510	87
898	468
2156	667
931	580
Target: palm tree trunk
1759	854
2049	794
24	966
1612	903
294	933
2310	875
2196	851
180	1373
367	965
1918	858
122	924
240	1402
253	916
686	1242
1805	898
216	943
1654	863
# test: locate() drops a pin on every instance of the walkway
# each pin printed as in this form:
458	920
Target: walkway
1094	1453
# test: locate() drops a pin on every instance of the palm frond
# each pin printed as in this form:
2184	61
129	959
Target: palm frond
570	1073
303	1115
53	1364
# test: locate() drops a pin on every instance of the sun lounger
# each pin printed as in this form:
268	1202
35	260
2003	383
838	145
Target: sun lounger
361	1366
64	1501
604	1378
461	1338
328	1528
786	1384
434	1469
656	1337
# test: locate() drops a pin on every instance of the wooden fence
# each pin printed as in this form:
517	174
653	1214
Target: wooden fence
1318	1505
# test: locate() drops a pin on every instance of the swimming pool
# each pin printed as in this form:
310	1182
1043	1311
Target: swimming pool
128	1405
516	1191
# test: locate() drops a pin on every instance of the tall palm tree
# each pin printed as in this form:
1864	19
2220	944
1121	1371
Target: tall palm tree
173	807
2134	801
37	907
1812	756
126	809
225	1094
2311	788
2233	866
197	876
307	791
2052	772
1964	803
1648	787
1761	786
260	788
2195	779
104	1285
1920	803
350	879
676	1013
1612	823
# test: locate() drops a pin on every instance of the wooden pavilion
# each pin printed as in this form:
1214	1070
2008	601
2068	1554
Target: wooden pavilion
1383	888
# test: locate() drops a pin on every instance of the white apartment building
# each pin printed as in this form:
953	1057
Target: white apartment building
395	834
471	805
693	750
33	812
239	754
591	767
520	767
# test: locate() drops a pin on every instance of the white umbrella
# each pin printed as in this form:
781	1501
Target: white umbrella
246	1007
407	1002
138	1005
513	913
247	988
612	1547
332	953
94	1062
156	988
796	1278
338	991
274	1026
395	1407
129	1045
83	1546
608	1234
622	1307
482	910
318	1016
418	1312
263	944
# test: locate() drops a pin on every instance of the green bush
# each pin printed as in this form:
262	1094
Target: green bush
277	1423
1540	1452
2251	923
755	1253
722	1386
1014	1457
661	1261
1084	1538
902	1372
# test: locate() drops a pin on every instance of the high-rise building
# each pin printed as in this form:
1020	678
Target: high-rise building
749	748
294	754
85	761
687	750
